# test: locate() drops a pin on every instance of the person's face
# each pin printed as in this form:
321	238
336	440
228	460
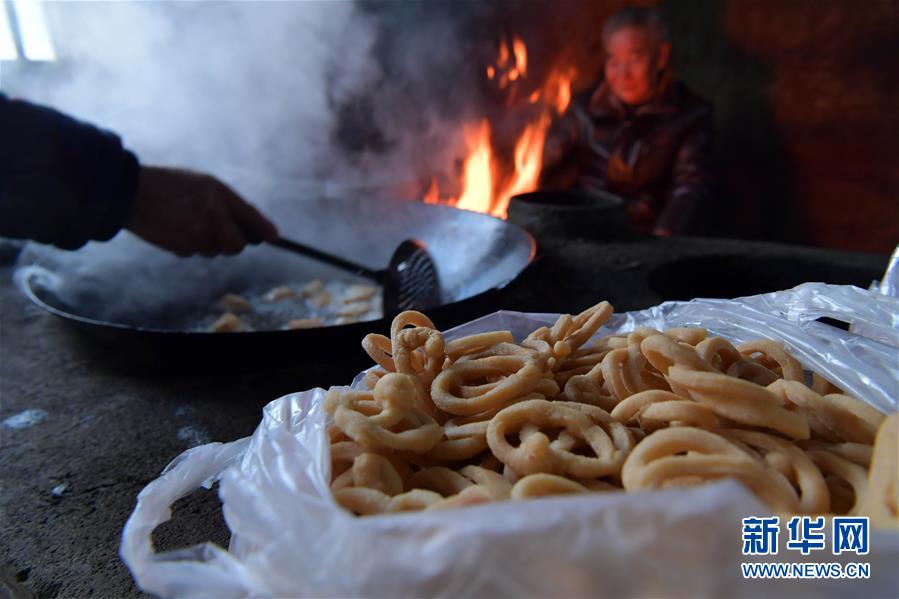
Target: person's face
632	64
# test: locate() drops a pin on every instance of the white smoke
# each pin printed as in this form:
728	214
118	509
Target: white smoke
234	88
346	92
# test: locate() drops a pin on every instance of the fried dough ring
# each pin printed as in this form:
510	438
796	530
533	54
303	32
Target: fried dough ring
587	323
610	342
752	372
362	501
457	348
409	342
376	472
792	462
656	409
343	481
538	454
881	499
772	355
368	502
414	500
579	362
620	434
493	481
343	454
394	395
379	349
590	389
452	391
834	418
870	415
472	495
831	464
857	453
386	405
638	367
569	333
460	427
664	352
455	450
739	400
422	434
372	377
689	335
672	455
408	318
624	370
502	348
718	352
544	485
439	479
822	386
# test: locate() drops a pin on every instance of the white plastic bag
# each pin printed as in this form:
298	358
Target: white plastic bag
289	538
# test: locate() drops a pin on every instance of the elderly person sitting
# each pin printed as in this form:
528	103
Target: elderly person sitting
640	134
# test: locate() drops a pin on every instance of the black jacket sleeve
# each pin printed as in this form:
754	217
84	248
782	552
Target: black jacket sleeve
692	181
62	181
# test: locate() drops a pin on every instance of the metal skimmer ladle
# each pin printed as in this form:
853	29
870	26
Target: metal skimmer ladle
410	280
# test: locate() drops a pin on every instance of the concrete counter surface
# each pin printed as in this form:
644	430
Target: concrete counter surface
79	442
571	275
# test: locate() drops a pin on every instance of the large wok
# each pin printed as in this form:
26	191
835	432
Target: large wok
139	303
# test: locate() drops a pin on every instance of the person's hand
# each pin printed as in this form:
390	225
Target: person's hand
191	213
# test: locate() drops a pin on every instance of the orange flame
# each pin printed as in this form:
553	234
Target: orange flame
558	89
528	162
503	57
432	193
477	177
521	56
488	183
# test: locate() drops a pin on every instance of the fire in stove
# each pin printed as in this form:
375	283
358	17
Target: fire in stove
491	174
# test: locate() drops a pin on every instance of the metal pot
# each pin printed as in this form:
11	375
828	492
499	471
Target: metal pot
570	214
138	301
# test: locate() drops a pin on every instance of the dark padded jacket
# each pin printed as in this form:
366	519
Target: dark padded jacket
62	181
656	155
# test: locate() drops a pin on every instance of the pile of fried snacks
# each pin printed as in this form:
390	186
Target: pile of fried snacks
483	418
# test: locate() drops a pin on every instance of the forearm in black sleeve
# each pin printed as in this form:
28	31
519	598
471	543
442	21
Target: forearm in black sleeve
62	181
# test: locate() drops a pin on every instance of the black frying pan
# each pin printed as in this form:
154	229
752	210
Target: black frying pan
140	302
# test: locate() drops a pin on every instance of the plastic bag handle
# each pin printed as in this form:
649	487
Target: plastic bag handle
871	315
192	469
